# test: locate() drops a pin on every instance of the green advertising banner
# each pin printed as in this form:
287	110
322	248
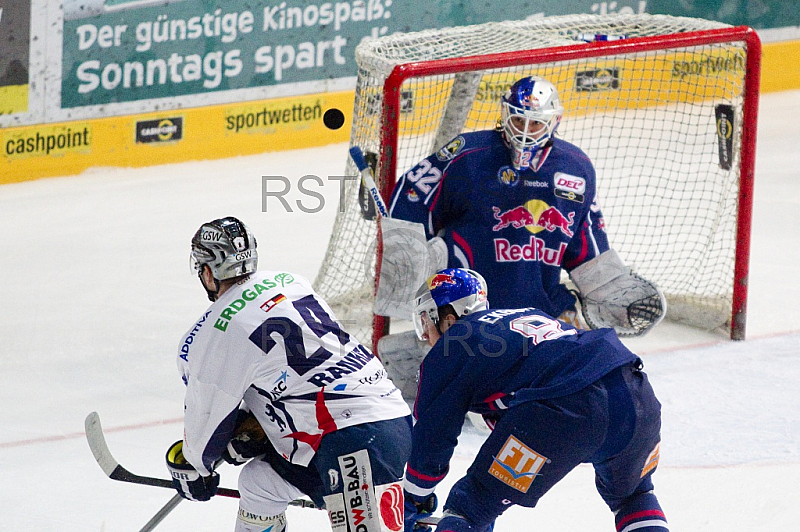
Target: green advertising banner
117	51
194	46
121	51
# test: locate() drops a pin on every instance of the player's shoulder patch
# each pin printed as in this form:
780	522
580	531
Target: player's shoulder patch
451	149
507	175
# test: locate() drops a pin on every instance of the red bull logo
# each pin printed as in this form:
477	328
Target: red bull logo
552	219
534	250
518	217
549	219
530	101
439	279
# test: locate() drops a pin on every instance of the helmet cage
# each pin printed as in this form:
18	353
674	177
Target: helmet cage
530	114
226	246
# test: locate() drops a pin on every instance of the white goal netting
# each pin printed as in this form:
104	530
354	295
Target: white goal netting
662	124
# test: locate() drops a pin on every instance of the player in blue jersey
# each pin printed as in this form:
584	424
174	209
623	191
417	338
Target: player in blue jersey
555	397
274	383
519	205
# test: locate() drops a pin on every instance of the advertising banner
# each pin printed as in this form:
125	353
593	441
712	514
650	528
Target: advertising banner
15	27
118	51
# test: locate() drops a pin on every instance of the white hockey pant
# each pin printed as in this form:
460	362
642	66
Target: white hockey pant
265	495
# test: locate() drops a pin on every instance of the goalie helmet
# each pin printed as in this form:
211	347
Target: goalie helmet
464	290
226	246
530	114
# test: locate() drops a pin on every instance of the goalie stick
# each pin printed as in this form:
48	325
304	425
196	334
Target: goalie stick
368	180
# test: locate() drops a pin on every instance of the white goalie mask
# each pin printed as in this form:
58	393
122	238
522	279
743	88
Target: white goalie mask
530	114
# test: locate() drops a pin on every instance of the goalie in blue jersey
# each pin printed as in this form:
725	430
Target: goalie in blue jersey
554	396
520	206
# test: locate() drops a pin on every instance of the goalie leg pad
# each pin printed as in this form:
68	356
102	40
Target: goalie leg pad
401	355
611	295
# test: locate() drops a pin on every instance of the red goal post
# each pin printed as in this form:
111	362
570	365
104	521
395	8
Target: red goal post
669	121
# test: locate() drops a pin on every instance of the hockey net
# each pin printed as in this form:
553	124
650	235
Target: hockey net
665	107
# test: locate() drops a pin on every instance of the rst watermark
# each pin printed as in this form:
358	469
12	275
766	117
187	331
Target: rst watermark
275	188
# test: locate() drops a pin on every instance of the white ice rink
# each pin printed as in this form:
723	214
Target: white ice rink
97	292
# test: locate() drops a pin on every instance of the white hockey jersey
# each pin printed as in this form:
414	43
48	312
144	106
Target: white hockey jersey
273	343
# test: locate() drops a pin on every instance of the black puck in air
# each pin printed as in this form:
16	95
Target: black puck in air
333	119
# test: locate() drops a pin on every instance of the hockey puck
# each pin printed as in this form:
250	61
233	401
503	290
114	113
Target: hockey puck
333	119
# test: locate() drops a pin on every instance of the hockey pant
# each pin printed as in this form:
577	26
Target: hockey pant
613	424
268	483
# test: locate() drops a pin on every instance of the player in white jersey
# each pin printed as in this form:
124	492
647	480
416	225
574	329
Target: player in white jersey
268	355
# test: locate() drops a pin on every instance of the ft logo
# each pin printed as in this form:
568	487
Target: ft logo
517	464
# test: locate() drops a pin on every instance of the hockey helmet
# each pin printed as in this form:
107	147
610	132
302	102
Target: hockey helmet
530	114
226	246
464	290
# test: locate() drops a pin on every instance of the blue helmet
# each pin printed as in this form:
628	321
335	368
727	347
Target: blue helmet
530	114
465	290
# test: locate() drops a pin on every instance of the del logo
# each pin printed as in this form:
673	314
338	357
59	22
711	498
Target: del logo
161	130
517	465
569	187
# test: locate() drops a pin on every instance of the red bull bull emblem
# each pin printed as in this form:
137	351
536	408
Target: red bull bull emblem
530	101
550	219
439	279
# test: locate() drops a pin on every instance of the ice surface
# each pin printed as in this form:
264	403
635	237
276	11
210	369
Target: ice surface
97	292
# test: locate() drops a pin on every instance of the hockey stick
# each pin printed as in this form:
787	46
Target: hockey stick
112	468
162	513
114	471
368	179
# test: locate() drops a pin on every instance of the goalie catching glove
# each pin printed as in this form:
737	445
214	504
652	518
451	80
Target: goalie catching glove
185	478
611	295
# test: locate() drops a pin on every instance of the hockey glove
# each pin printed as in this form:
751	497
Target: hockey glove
189	483
416	508
248	442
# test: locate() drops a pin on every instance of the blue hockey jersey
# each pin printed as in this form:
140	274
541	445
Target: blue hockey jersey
490	361
518	229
